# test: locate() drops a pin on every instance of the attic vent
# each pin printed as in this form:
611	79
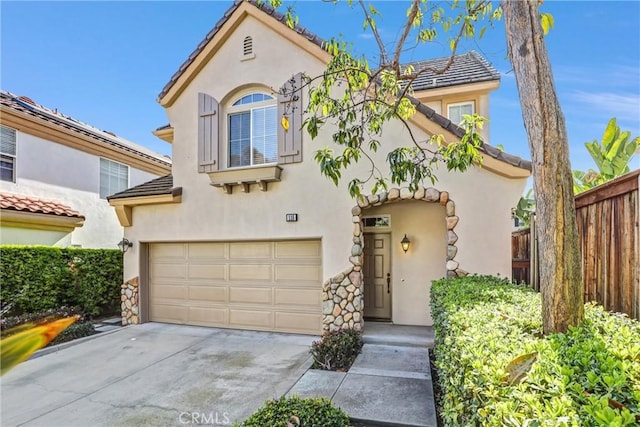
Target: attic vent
247	46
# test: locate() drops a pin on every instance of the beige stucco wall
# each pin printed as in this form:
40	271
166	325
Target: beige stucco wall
208	214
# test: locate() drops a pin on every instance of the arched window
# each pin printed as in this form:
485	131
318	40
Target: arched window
252	129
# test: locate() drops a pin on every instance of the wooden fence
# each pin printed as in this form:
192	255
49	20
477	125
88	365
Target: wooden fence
608	218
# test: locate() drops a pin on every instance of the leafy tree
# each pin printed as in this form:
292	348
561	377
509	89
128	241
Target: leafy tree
358	100
611	157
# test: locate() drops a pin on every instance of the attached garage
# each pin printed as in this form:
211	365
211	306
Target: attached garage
270	286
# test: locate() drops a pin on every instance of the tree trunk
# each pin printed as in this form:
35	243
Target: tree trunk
560	262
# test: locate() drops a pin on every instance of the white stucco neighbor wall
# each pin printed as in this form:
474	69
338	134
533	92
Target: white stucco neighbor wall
483	199
52	171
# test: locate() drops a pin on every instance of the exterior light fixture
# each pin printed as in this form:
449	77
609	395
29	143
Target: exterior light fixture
405	242
124	244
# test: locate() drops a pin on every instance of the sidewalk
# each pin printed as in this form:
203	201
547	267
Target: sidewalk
387	385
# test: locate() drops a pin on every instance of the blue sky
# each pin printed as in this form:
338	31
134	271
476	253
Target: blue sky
104	63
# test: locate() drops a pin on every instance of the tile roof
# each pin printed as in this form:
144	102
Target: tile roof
25	105
447	124
155	187
18	202
466	68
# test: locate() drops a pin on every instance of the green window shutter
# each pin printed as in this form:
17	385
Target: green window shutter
290	105
208	133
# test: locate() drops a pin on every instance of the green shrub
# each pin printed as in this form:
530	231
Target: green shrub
295	411
38	278
589	376
75	331
337	350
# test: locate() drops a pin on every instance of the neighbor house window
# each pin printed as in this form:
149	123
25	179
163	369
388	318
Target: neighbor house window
114	177
457	111
7	154
253	132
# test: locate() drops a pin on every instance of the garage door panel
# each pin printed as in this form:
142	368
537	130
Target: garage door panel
207	250
165	271
174	292
254	318
257	272
297	297
303	249
208	316
213	294
168	250
250	250
297	322
170	313
244	295
275	286
209	272
299	273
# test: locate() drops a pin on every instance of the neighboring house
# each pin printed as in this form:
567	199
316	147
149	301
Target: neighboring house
56	174
247	234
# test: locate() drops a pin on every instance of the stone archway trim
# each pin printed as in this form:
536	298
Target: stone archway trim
342	294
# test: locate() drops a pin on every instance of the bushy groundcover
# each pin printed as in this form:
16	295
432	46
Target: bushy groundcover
495	367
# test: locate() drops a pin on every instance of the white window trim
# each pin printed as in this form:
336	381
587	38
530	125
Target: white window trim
13	156
100	176
460	104
235	109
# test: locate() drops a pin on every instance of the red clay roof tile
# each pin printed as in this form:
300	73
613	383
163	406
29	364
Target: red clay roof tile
19	202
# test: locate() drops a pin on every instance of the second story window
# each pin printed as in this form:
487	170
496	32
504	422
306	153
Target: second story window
253	131
114	177
457	111
7	154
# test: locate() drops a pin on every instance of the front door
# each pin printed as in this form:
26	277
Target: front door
377	276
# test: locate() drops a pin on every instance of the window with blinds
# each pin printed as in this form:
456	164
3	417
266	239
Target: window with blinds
7	154
459	110
114	177
253	131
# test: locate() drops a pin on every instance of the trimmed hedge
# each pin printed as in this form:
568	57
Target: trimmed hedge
589	376
337	350
296	411
39	278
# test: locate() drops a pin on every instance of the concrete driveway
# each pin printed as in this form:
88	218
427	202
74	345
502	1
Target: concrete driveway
155	375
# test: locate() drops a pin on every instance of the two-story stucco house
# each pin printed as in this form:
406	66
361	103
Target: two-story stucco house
246	233
56	174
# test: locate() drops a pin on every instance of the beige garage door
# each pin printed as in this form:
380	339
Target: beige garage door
273	286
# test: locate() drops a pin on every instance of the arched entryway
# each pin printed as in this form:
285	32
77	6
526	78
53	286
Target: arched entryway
343	294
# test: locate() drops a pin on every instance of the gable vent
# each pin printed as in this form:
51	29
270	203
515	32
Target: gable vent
247	46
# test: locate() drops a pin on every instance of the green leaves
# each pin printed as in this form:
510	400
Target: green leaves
612	157
496	369
546	20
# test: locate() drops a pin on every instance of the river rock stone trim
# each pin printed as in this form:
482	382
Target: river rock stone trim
342	302
342	295
129	302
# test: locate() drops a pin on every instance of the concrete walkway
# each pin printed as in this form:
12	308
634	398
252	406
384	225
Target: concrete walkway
387	385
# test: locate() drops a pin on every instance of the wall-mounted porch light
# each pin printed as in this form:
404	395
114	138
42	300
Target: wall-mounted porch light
405	242
124	244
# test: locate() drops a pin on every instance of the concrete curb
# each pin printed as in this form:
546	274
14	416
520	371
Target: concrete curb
62	346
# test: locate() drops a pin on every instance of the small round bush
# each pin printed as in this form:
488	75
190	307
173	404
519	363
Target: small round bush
298	412
337	350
